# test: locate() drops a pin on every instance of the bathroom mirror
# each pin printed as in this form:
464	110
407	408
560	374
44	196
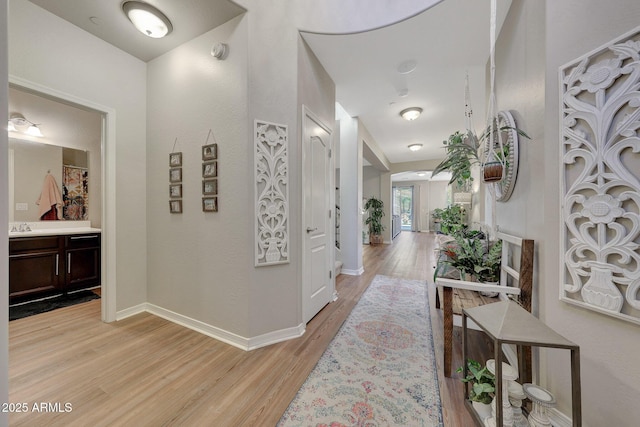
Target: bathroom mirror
30	163
71	141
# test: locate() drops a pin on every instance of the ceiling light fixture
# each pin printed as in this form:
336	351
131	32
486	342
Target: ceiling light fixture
411	113
17	123
147	19
415	147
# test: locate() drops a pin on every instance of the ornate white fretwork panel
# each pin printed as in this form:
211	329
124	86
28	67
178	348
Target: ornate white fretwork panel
600	120
272	193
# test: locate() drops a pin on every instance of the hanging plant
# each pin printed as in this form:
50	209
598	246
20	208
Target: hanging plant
461	154
500	148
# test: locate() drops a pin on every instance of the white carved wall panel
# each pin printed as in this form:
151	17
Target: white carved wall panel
271	193
600	178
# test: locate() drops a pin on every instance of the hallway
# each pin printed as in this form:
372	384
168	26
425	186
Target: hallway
145	370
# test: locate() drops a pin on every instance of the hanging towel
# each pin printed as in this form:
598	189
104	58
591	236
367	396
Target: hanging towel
50	197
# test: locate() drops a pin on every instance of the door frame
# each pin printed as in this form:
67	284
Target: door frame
306	276
108	190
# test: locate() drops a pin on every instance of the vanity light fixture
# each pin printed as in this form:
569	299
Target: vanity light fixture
147	19
415	147
411	113
18	123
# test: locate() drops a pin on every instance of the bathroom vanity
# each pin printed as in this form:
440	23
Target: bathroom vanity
49	261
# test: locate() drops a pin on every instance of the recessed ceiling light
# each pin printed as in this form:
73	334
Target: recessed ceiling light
415	147
147	19
411	113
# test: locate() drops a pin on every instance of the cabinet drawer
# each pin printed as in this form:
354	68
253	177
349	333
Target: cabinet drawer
28	244
76	241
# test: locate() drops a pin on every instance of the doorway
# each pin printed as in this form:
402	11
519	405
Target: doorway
101	157
403	206
318	285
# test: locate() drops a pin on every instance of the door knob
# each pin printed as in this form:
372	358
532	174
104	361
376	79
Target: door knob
309	229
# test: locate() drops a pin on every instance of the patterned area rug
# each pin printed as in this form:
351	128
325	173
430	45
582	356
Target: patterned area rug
380	369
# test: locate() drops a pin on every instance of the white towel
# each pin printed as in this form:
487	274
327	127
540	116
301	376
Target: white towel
50	196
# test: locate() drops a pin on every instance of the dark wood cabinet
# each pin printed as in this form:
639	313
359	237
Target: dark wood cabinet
46	265
82	257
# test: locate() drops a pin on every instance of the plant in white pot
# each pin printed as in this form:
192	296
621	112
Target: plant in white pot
483	386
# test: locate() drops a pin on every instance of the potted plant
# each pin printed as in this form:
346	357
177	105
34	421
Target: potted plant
461	153
451	220
482	386
488	271
497	153
374	221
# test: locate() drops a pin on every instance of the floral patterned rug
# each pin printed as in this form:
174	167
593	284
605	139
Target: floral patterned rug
380	369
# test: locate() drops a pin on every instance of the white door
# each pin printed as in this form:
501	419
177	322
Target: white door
318	281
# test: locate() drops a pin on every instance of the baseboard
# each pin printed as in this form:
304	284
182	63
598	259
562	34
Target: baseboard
131	311
558	419
276	337
214	332
350	272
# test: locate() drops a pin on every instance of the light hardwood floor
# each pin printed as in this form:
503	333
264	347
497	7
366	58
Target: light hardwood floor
146	371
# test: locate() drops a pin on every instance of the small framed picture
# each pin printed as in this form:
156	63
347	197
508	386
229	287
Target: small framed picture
209	204
175	191
209	152
209	187
210	169
175	175
175	206
175	159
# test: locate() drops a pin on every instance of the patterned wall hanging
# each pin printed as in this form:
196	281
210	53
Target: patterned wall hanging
600	178
271	193
75	193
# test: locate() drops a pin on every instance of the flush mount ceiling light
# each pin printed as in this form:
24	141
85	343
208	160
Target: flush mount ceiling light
17	123
411	113
415	147
147	19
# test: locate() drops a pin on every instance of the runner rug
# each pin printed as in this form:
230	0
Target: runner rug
380	368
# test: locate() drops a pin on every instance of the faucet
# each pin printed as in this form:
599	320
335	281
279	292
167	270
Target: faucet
24	227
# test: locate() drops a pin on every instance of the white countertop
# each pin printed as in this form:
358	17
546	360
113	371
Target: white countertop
54	228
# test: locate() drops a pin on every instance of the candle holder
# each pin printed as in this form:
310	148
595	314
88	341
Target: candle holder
508	374
542	400
516	396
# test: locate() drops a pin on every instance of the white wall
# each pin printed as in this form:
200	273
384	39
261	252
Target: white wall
351	193
4	218
199	263
609	347
538	38
55	54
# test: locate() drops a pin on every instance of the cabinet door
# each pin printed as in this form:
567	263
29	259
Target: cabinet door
83	267
33	273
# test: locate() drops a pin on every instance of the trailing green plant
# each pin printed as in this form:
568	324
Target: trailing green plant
376	212
462	152
483	382
451	220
